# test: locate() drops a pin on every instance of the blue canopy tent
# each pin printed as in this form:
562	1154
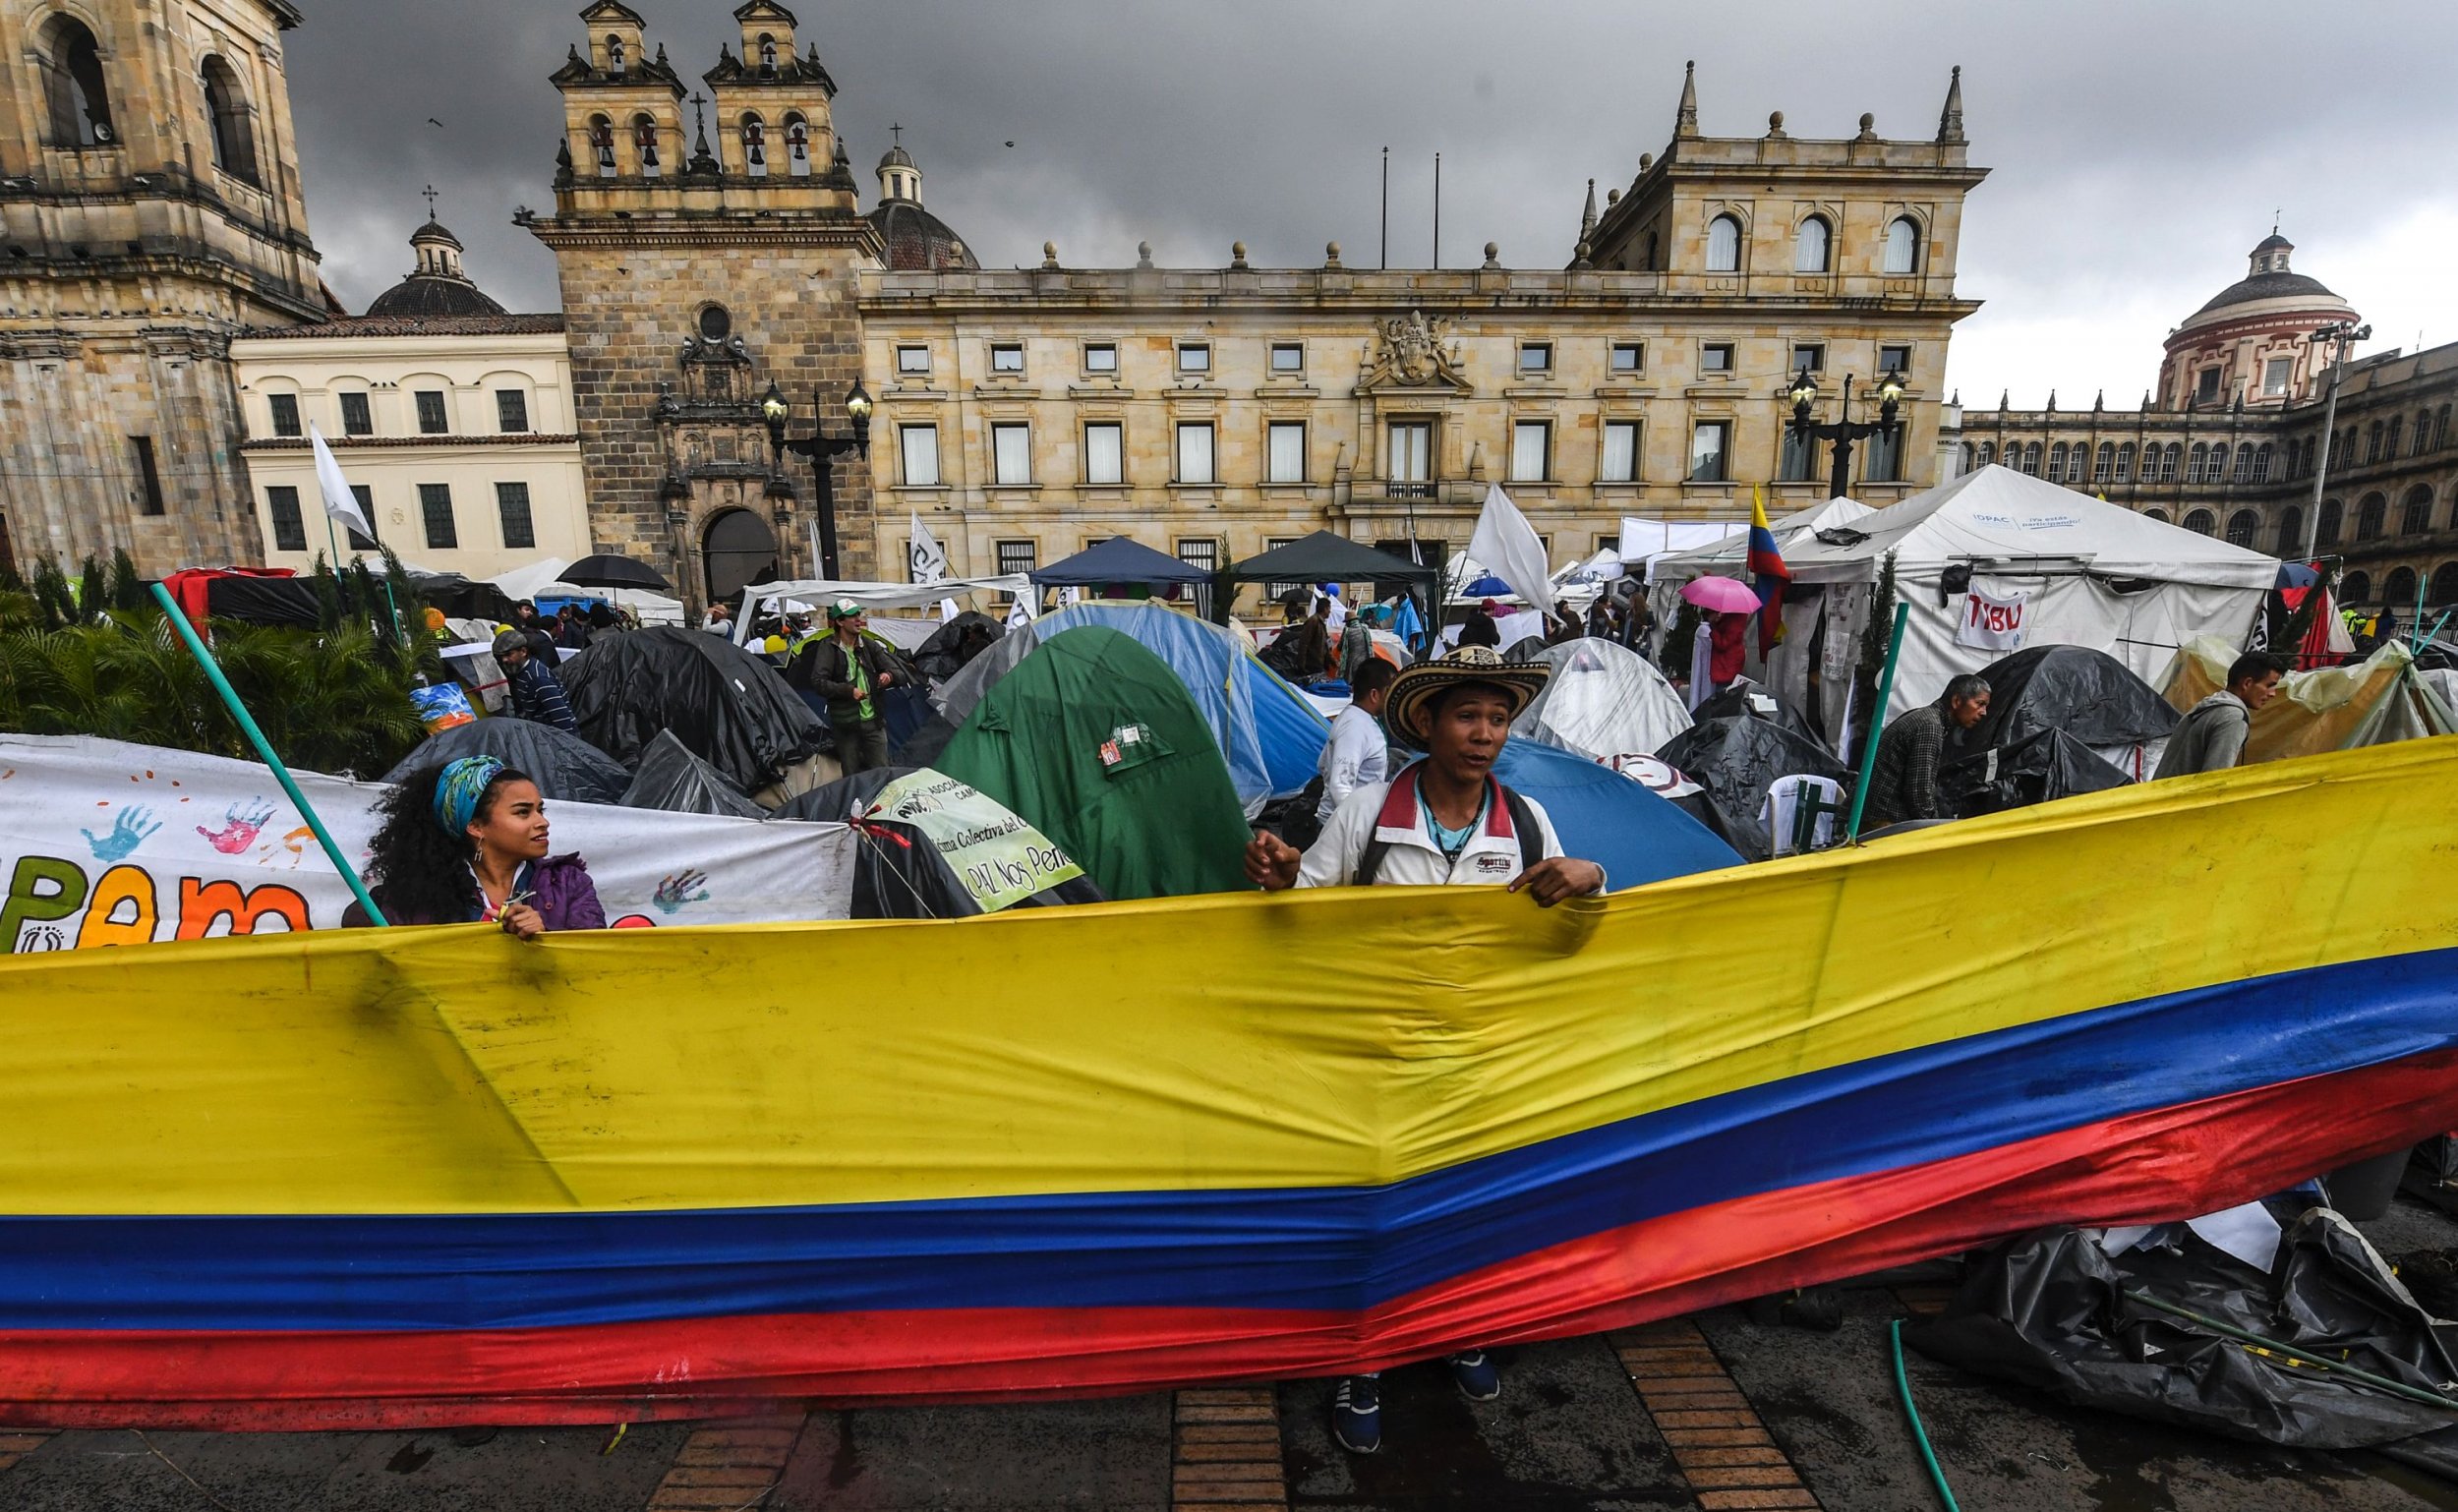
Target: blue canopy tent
1605	817
1118	561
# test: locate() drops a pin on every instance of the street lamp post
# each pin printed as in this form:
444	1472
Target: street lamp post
2343	334
1841	431
823	449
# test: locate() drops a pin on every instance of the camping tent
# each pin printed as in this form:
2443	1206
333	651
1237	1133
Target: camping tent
726	704
1737	760
1095	740
672	779
1742	696
1604	817
2372	702
1804	649
1271	739
2087	573
2088	694
898	872
566	768
2037	764
1324	557
1118	560
1604	701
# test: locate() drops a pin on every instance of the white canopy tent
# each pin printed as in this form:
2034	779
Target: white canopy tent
874	596
1787	670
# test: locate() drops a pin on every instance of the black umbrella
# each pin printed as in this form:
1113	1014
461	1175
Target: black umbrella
608	571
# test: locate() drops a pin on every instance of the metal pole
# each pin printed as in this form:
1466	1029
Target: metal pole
1877	723
1386	207
265	750
1437	210
2330	423
824	466
1840	465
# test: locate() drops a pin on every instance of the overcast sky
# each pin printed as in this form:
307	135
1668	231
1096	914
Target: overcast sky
2138	151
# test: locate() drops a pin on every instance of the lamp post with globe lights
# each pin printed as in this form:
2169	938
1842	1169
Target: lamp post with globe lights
823	449
1841	431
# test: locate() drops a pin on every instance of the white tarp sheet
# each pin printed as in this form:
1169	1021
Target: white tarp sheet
1604	702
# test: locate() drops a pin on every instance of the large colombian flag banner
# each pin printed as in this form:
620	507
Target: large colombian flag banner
428	1176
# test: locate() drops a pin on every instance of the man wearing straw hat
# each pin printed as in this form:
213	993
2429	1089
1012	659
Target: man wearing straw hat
1443	820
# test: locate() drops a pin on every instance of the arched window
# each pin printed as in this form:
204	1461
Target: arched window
737	549
2201	523
2444	584
2416	516
2168	462
614	54
1902	245
1652	266
1970	457
602	145
2031	458
2356	587
2371	517
2194	462
798	146
2372	442
234	135
644	144
2057	463
2105	462
2242	528
768	55
74	88
2424	433
755	147
2400	587
2291	540
2125	463
1724	245
2161	515
2242	472
2389	440
2327	535
1988	452
2261	464
2440	428
1812	245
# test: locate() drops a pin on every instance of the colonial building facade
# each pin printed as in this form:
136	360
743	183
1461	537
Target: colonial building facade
149	209
2230	440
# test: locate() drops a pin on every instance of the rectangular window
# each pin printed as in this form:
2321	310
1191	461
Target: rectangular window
1288	357
1101	357
355	419
1894	359
1011	456
1536	357
285	414
1629	357
148	477
434	502
289	527
1007	357
1797	462
1411	466
365	493
1809	357
1531	450
1716	357
1710	442
2206	386
1619	461
1194	356
431	421
1285	461
1195	452
1200	551
512	508
1882	457
919	447
1105	453
1017	557
511	411
912	361
2274	377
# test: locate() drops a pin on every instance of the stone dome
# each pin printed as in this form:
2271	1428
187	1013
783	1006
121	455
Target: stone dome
437	289
2268	277
918	241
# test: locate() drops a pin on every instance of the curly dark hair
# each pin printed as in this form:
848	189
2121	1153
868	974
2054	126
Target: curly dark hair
417	872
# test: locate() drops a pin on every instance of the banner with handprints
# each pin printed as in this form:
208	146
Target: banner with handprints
103	843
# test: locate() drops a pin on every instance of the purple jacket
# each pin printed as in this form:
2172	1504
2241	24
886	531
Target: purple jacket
559	890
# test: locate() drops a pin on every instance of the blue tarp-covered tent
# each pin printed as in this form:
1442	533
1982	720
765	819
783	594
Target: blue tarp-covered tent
1605	817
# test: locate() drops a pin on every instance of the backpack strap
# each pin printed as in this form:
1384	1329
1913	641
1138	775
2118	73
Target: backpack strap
1523	822
1370	864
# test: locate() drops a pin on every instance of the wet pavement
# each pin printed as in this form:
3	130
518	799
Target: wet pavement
1713	1413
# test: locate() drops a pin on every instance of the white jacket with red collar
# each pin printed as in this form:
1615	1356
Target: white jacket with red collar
1390	812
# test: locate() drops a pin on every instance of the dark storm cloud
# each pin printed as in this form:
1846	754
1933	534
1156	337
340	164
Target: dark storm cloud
2138	151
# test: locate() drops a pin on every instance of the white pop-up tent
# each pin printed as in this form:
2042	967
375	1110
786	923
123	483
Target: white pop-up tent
1805	644
2077	570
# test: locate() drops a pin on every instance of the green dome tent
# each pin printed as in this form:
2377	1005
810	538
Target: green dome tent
1093	739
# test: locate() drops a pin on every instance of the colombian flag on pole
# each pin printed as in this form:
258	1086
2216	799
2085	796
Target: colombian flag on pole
1768	574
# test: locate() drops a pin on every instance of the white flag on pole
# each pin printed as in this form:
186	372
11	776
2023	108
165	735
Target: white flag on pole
925	554
339	501
1506	546
1020	613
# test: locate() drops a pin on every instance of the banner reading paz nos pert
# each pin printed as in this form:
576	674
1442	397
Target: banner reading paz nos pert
103	843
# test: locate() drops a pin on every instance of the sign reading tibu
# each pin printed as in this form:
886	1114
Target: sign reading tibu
1000	859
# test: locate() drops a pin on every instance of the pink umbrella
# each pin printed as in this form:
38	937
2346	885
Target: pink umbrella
1723	595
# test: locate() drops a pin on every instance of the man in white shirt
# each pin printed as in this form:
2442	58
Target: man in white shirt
1357	754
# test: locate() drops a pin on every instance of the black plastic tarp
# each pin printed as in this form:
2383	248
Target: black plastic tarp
1758	700
2050	1310
897	873
566	768
2044	764
1735	759
956	643
2088	694
672	779
461	598
727	706
282	601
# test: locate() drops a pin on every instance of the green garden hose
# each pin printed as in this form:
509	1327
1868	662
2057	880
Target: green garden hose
1911	1414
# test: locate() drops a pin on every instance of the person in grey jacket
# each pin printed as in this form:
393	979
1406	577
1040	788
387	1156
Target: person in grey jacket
2211	736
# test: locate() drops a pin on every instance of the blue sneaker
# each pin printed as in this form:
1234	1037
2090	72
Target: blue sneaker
1357	1414
1477	1376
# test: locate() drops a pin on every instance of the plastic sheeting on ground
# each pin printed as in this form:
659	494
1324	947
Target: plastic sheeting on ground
1114	1147
1271	739
1095	741
1605	817
899	873
730	708
672	779
1604	702
566	768
1737	760
2371	702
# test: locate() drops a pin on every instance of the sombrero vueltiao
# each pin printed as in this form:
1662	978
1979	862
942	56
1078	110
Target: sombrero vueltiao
1417	691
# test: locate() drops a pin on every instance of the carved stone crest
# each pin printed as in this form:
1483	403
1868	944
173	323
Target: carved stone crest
1416	353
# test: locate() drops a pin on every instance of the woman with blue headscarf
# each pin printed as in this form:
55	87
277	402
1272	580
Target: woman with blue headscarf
466	842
